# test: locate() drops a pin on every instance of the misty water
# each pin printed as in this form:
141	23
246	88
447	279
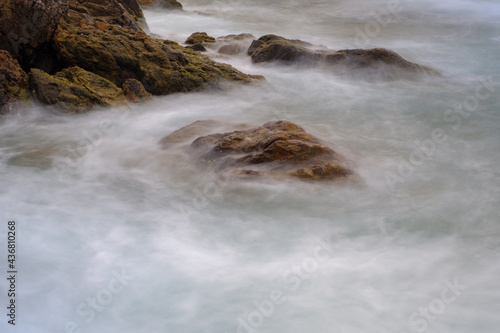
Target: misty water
117	235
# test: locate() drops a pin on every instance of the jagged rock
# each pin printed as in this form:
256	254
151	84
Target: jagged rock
278	148
200	38
74	89
13	82
27	28
169	4
119	54
135	91
375	63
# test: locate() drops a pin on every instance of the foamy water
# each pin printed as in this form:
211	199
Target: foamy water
116	235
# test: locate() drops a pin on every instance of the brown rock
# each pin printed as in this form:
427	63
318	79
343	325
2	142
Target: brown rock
370	64
230	49
163	67
74	89
134	91
279	148
200	38
27	28
13	82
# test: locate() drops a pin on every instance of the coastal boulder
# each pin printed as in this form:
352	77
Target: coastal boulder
279	149
199	38
378	63
74	89
13	82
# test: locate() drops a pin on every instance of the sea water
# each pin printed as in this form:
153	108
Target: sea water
116	235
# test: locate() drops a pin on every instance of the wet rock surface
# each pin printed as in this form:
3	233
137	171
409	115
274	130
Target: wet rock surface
378	63
279	149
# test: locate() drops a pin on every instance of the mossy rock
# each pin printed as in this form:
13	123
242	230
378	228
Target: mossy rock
199	38
74	89
278	149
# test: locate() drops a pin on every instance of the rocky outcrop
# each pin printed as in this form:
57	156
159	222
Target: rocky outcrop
280	149
169	4
375	63
74	89
13	82
119	54
27	28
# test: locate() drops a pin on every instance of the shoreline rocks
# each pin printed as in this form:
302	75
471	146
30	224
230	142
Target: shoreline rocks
105	41
371	64
278	149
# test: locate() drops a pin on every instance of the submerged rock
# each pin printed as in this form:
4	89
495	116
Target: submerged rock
74	89
375	63
13	82
279	148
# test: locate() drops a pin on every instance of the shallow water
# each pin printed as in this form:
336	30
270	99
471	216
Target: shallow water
95	198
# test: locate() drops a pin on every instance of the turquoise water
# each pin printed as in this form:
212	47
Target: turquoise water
116	235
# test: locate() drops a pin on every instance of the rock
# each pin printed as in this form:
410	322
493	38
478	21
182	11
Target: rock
119	54
279	148
74	89
230	49
188	133
169	4
234	37
374	64
200	38
134	91
234	44
197	47
13	82
27	28
272	48
91	13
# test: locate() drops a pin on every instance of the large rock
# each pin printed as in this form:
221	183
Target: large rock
74	89
375	63
280	149
27	28
13	82
119	54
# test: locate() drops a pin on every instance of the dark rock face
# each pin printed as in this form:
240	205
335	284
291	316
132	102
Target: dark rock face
27	28
200	38
13	82
376	63
280	149
74	89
